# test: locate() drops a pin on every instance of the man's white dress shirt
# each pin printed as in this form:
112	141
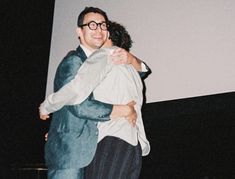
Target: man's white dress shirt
114	84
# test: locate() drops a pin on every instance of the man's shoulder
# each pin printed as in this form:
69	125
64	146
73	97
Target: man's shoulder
71	62
73	56
103	51
68	68
72	53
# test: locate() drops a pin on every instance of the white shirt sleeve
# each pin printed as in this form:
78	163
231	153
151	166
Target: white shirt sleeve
91	73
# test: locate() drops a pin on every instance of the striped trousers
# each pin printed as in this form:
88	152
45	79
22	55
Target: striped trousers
115	159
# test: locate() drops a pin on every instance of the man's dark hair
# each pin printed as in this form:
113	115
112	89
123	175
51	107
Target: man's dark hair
119	36
88	10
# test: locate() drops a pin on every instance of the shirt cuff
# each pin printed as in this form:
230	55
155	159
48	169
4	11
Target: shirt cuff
42	109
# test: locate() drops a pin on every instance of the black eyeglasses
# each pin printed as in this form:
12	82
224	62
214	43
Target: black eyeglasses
94	25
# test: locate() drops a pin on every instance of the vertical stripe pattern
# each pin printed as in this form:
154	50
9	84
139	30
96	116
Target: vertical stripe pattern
115	159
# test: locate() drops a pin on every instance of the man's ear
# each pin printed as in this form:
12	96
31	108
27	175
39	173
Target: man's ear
79	31
108	35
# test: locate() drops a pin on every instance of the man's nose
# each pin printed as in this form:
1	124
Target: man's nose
99	28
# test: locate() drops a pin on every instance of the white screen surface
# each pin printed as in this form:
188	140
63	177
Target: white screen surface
188	44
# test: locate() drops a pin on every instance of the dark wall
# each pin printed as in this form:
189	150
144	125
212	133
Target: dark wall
25	43
189	137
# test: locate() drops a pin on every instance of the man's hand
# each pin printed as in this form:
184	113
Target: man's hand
43	116
127	111
132	116
121	56
46	136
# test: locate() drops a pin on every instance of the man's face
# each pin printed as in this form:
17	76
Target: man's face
92	39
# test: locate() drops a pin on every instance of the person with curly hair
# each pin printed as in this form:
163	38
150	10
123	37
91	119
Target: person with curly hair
120	145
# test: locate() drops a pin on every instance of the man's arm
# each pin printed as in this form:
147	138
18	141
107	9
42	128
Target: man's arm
89	75
88	109
90	106
121	56
104	111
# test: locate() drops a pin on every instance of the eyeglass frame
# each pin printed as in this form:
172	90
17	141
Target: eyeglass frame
97	25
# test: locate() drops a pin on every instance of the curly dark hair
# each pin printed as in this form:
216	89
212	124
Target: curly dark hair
119	35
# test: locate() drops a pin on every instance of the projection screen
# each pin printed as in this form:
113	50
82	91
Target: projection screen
188	44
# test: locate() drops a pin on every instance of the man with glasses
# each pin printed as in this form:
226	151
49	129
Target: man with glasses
73	133
93	25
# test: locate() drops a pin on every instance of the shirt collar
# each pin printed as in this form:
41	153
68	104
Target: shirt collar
86	50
